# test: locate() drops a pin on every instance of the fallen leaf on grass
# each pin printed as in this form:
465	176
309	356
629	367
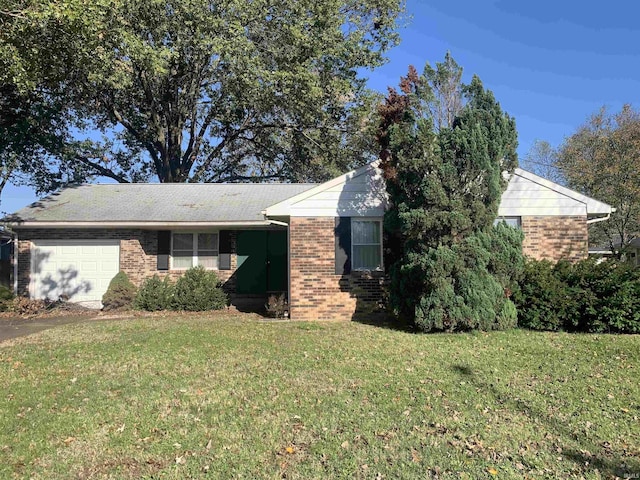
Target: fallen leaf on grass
345	444
414	456
492	471
69	440
289	450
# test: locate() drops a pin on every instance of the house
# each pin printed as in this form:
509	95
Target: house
321	244
6	253
632	253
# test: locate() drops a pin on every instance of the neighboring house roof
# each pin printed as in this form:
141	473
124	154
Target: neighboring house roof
605	248
139	204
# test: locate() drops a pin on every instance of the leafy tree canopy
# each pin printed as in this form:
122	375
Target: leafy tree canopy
191	90
602	159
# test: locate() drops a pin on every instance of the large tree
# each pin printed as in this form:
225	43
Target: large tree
602	159
541	159
195	90
455	270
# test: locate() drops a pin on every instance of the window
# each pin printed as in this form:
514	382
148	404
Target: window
366	244
191	249
514	222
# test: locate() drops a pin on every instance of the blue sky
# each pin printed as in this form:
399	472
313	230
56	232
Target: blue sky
549	64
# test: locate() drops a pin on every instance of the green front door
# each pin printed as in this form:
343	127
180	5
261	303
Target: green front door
262	261
277	261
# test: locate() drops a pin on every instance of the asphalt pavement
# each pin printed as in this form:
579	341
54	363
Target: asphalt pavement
21	327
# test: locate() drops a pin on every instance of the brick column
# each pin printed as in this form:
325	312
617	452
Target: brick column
317	293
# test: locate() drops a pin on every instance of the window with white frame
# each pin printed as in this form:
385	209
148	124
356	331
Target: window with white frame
366	244
191	249
515	222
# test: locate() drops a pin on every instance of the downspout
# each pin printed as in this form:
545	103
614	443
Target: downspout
284	224
599	219
15	265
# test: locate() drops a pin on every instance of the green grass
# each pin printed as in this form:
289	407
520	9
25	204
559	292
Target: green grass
232	397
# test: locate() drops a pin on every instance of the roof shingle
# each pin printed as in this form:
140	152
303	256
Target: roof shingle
168	202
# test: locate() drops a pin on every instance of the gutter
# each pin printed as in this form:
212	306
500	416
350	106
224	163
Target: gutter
277	222
599	219
252	223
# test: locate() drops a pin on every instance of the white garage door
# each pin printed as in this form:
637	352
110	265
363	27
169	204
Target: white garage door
78	269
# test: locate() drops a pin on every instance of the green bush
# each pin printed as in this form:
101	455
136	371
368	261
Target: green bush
541	297
120	293
508	316
583	297
605	296
155	294
466	286
198	290
6	296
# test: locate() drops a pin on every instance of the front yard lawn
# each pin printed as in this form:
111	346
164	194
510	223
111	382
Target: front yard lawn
232	397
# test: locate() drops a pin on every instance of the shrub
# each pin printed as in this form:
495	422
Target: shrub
586	297
276	305
541	297
6	296
120	293
155	294
198	290
465	286
605	296
508	316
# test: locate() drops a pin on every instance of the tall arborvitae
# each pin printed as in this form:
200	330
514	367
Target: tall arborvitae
452	269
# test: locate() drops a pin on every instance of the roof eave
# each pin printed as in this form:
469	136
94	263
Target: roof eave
133	224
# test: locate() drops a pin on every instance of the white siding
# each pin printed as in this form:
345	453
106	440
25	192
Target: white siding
361	195
525	197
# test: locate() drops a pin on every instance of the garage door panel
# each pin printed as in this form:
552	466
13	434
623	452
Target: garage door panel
90	250
86	267
109	266
67	250
78	269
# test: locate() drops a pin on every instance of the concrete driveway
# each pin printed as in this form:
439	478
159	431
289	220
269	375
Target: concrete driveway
21	327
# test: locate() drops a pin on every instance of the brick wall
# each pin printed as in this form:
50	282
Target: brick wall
555	238
317	293
138	253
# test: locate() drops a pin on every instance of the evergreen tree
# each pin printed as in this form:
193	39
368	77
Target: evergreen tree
453	269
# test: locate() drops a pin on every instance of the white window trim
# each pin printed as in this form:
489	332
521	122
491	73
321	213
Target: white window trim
367	219
194	258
